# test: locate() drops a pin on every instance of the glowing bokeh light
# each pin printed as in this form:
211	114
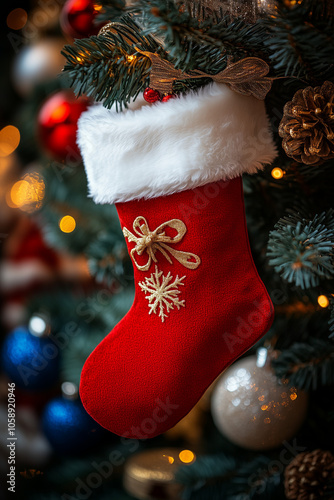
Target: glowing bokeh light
67	224
9	140
277	173
186	456
17	19
28	193
323	301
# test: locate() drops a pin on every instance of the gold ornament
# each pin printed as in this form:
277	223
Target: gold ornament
307	126
151	474
157	240
307	476
253	410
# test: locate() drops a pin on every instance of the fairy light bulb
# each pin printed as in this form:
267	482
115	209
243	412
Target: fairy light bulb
277	173
323	301
67	224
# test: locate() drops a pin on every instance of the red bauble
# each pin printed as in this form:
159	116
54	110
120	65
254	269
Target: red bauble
77	19
151	95
57	124
167	97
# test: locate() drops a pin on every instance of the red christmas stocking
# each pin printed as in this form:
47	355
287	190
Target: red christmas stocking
173	170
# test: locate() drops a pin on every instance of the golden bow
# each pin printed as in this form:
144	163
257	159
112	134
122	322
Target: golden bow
247	76
157	240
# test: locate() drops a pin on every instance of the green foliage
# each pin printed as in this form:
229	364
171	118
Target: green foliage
222	476
301	41
301	250
297	41
202	45
111	9
109	261
102	67
94	223
307	365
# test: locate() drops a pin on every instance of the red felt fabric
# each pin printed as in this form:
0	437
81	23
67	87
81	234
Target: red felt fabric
146	375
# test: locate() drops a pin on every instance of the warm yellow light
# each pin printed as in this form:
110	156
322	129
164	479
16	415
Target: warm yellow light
293	396
18	193
323	301
9	140
17	19
169	458
186	456
67	224
28	193
277	173
264	407
130	58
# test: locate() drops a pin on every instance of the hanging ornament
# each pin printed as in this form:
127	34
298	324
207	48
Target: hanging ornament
308	475
57	124
307	126
151	95
37	63
151	474
251	408
67	425
29	357
77	18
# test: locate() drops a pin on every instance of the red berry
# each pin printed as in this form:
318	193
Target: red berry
151	95
167	97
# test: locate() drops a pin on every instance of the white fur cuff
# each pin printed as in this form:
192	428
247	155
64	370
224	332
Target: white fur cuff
153	150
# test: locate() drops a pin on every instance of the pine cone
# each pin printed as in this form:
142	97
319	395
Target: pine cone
307	126
307	476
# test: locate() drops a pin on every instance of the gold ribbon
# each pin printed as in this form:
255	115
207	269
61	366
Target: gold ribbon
247	76
157	240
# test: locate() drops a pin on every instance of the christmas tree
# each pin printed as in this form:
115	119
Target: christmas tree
264	429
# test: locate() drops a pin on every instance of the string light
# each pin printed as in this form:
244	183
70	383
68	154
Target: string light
28	193
17	19
67	224
187	456
323	301
9	140
277	173
169	458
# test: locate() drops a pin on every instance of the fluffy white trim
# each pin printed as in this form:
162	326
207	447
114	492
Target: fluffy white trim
153	150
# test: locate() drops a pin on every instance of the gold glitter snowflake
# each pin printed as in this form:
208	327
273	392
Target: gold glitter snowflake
163	296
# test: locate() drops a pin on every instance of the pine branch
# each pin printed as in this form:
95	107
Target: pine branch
201	45
110	10
301	41
206	467
105	67
221	476
307	365
331	320
301	250
109	261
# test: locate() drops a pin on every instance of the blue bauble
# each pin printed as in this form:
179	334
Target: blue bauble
29	361
68	426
